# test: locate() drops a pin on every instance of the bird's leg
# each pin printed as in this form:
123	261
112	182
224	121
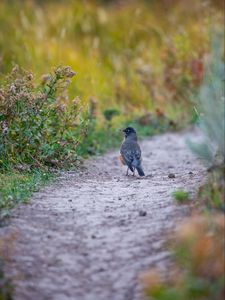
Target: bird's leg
127	171
134	172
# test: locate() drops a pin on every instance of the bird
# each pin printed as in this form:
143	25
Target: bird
130	152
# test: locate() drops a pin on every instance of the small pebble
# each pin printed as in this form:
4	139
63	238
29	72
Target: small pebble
110	217
101	270
122	223
171	175
191	173
142	213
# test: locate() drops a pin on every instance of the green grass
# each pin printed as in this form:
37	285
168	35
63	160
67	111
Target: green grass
17	187
180	196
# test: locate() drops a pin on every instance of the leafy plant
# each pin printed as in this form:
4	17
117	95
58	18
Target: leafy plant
39	125
180	196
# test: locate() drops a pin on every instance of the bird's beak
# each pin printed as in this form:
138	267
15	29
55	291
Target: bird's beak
121	130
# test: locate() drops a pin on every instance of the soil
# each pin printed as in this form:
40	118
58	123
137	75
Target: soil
89	235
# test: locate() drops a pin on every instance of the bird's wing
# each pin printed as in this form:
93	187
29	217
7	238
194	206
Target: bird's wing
130	151
137	156
137	152
127	155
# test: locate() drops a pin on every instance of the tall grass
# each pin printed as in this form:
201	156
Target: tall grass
132	56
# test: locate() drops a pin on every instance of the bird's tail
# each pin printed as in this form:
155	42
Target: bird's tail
140	171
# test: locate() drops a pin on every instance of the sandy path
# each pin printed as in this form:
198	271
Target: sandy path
83	237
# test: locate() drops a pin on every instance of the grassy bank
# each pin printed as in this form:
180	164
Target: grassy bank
17	186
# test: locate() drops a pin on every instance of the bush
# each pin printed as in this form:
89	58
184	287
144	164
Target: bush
39	125
210	104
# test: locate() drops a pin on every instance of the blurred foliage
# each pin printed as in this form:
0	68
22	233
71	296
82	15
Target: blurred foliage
180	196
198	248
199	271
131	55
210	104
212	194
110	113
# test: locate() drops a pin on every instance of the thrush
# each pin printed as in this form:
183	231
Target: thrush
131	152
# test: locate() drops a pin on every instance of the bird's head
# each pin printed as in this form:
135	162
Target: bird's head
130	132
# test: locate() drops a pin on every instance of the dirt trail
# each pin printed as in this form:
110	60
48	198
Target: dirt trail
84	238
